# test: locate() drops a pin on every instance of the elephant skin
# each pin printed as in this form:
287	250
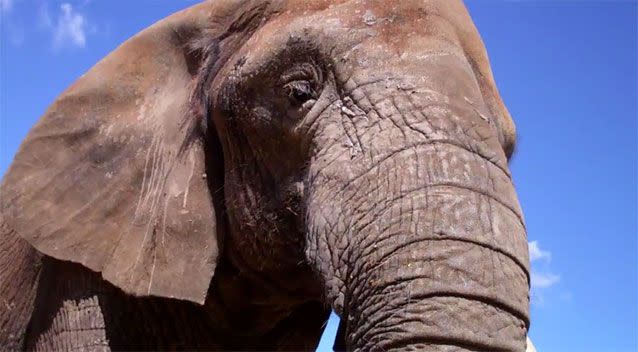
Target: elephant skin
229	175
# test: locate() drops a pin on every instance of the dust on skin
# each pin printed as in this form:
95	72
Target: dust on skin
313	196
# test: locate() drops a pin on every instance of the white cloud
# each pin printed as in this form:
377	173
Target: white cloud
69	28
6	5
536	253
12	25
543	280
541	276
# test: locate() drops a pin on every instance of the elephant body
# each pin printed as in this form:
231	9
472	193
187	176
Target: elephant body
229	175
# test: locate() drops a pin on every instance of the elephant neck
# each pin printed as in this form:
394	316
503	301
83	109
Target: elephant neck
249	312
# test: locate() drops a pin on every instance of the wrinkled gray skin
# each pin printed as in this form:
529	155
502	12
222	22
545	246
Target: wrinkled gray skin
230	174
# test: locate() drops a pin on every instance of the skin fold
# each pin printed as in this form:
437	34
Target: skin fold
229	175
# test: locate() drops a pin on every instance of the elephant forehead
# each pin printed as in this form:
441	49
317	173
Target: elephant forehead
382	28
401	27
378	30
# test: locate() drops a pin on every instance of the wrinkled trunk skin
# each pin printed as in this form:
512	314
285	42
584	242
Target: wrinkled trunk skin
413	220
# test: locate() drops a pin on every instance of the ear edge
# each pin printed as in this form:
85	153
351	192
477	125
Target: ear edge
17	200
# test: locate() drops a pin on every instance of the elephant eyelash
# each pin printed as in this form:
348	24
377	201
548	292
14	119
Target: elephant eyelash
300	91
304	71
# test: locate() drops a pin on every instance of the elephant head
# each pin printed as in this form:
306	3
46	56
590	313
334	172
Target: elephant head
348	152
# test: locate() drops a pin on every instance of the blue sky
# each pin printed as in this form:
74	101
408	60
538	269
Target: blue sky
567	71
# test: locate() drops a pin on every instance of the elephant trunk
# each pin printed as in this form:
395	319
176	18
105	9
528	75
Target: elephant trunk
418	233
437	268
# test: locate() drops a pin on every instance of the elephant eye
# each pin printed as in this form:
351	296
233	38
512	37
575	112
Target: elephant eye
299	92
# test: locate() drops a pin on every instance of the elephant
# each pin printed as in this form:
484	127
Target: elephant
231	174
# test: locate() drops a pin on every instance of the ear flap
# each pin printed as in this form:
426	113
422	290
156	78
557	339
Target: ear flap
113	176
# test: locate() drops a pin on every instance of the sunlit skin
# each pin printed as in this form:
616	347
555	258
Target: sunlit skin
234	172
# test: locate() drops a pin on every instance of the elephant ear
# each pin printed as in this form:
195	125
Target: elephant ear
113	176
